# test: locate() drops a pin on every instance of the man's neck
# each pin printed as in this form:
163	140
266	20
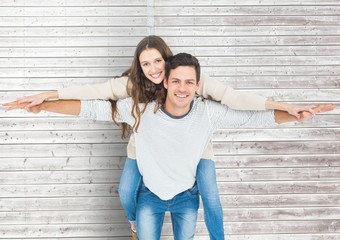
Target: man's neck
174	112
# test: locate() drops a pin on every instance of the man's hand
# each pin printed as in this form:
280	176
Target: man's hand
24	105
306	115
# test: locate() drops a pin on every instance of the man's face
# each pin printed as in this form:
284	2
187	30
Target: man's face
182	86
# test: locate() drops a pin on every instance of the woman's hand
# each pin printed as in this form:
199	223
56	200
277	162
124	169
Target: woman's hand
306	115
295	110
36	99
17	105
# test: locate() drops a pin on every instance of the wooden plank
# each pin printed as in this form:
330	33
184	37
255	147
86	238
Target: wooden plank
74	30
95	230
227	61
56	3
217	71
60	204
275	174
73	11
278	187
282	227
248	20
131	25
62	150
10	42
229	201
114	136
61	177
243	3
281	148
226	10
284	160
212	30
43	124
45	137
108	27
59	190
65	230
226	175
62	163
198	51
117	216
225	188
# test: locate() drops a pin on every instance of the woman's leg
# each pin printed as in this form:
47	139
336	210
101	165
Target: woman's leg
128	188
207	186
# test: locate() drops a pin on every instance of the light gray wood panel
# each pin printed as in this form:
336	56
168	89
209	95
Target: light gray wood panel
283	227
45	137
65	62
74	11
64	230
228	175
248	20
204	61
246	30
109	27
59	190
43	124
279	187
22	21
72	52
273	174
60	217
243	3
224	10
225	188
57	3
198	51
117	216
61	163
95	230
286	160
73	30
172	41
228	201
325	147
60	177
60	204
307	236
62	150
114	136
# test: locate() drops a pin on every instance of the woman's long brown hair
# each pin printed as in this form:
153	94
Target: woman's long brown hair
142	90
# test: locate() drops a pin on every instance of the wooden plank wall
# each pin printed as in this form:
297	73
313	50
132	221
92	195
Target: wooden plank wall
59	175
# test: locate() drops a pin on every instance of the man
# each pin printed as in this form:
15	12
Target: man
170	142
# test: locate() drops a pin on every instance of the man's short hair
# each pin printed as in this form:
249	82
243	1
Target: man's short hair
182	59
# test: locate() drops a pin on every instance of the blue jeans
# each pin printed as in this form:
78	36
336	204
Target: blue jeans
206	182
151	210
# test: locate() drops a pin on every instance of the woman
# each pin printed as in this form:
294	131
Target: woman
142	81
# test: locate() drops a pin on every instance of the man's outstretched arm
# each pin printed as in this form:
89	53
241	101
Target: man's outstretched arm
69	107
283	117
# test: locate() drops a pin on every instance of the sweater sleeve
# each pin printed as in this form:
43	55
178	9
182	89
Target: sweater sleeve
213	89
114	89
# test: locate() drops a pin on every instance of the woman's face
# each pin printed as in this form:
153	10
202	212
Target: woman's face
153	65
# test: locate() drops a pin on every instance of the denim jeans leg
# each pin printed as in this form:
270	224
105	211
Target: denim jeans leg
184	214
128	188
207	186
150	215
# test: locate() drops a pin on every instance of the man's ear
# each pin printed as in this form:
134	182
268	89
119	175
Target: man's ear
198	84
165	83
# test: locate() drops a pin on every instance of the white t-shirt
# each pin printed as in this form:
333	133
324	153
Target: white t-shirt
168	149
